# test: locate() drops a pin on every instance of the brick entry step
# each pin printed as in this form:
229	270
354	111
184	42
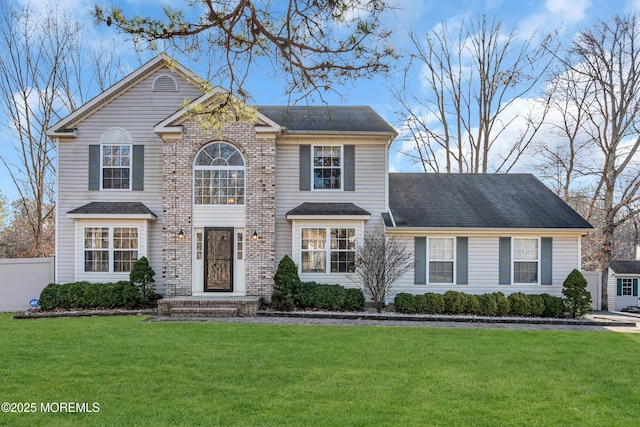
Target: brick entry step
209	306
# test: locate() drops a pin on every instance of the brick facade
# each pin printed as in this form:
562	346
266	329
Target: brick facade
260	190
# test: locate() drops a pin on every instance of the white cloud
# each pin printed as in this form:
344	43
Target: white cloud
557	14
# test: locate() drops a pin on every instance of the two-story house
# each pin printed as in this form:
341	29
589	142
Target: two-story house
215	209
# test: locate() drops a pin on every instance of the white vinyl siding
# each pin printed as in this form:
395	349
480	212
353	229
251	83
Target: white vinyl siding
369	194
483	267
73	156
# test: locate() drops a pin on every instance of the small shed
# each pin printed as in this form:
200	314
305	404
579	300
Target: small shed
623	284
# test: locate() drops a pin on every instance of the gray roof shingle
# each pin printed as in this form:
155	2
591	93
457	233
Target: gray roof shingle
328	118
625	267
327	209
113	208
478	201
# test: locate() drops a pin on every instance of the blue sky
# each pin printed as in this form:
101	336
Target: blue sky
524	16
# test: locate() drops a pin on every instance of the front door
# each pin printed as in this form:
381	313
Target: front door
218	259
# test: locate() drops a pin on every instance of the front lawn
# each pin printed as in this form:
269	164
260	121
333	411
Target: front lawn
241	374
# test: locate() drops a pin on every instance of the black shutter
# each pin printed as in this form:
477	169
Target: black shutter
420	258
305	167
138	168
349	168
462	260
94	167
505	261
546	269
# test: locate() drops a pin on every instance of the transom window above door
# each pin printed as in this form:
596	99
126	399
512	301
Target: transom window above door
219	175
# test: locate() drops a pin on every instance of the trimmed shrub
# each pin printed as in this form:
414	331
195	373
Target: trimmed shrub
134	296
93	295
75	295
329	297
454	302
306	294
429	303
577	299
503	307
536	304
487	305
286	285
519	304
553	306
321	296
472	304
49	297
353	299
405	303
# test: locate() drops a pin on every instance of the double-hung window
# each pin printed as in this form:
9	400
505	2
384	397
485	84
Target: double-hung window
441	259
627	286
526	260
116	167
328	250
327	167
110	249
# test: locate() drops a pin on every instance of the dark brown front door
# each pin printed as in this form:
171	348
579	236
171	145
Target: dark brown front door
218	259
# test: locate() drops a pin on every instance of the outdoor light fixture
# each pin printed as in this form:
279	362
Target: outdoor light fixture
181	234
255	235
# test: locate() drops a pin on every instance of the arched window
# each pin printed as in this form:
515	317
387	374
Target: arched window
219	175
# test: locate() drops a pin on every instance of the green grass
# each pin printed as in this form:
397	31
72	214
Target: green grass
241	374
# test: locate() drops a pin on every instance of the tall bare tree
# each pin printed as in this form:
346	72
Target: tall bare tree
312	45
603	107
474	74
42	77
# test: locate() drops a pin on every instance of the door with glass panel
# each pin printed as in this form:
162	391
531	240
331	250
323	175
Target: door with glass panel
218	259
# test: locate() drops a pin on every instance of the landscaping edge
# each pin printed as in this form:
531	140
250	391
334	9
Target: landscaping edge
350	316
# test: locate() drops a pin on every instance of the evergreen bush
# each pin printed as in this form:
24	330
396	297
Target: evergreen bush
142	276
536	305
405	303
487	305
553	306
49	297
472	304
503	307
454	302
519	304
353	299
286	285
577	299
429	303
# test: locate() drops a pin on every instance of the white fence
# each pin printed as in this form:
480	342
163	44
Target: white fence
594	279
22	279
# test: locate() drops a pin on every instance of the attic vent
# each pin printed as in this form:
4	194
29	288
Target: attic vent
165	84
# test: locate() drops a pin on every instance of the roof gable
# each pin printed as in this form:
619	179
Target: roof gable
162	60
172	123
517	201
